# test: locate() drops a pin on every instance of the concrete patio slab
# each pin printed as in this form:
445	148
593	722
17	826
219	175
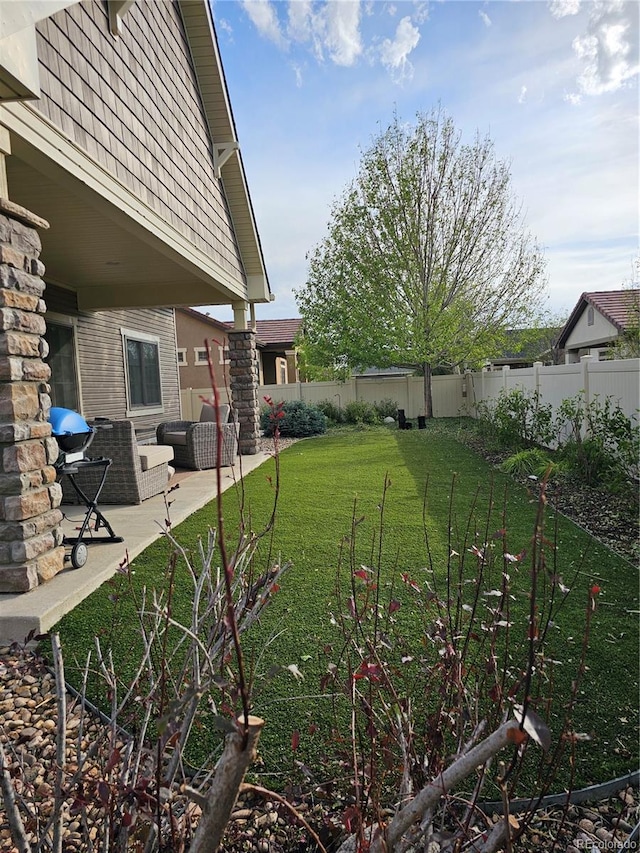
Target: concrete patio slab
40	609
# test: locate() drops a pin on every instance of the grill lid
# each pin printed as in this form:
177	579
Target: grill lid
67	422
70	429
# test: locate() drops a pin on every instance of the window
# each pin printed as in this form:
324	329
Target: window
142	364
65	392
200	354
182	357
590	315
223	355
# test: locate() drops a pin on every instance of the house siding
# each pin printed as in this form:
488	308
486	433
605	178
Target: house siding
101	358
133	104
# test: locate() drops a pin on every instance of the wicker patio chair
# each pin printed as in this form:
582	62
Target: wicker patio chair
195	443
137	472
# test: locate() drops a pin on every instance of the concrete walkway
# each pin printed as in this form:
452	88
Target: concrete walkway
141	525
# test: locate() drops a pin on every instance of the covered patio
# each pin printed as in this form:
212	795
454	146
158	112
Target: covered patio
139	526
122	195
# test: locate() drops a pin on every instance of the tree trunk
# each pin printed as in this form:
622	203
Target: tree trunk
221	797
428	399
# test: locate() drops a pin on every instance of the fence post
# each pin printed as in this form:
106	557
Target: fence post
536	377
584	368
505	375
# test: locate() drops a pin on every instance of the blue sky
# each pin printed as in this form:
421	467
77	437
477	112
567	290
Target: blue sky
554	84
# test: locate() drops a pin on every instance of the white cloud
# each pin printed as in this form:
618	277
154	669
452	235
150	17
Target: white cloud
343	31
297	70
609	49
523	94
485	18
223	24
421	11
395	54
562	8
264	17
332	27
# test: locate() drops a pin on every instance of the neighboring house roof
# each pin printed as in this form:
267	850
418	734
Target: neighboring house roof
527	345
205	318
272	332
276	333
619	307
380	372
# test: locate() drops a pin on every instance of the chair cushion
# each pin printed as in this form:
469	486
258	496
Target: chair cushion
154	454
208	413
177	437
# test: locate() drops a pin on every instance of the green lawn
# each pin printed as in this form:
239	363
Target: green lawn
323	482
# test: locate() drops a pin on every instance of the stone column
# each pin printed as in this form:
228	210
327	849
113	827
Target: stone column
31	549
243	378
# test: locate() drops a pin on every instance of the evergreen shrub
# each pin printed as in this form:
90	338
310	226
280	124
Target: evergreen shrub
294	418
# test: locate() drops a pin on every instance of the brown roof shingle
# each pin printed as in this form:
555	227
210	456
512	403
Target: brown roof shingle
278	331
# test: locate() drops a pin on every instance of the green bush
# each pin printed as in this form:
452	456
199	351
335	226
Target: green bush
361	412
517	419
601	444
531	461
386	408
329	409
295	419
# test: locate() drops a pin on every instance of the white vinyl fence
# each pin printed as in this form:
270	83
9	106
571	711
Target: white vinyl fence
618	380
459	394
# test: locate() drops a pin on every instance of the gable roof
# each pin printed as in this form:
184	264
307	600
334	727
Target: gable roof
204	318
619	307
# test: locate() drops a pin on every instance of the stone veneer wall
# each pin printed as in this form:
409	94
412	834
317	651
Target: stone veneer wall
244	379
31	549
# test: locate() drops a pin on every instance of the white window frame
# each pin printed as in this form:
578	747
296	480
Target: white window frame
197	352
140	411
181	355
223	355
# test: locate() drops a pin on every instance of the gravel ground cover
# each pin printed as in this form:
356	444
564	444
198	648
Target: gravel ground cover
260	823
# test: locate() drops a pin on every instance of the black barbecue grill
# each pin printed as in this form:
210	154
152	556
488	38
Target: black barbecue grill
74	436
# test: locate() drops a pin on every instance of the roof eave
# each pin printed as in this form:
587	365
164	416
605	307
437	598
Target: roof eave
198	22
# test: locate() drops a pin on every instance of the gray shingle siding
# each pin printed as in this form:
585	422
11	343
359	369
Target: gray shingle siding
133	105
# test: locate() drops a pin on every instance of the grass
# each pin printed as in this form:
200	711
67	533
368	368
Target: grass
325	482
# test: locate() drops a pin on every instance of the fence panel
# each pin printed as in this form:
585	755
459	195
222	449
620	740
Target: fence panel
457	395
619	380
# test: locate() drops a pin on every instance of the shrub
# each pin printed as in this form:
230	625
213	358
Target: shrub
386	408
517	419
361	412
295	419
329	409
601	444
532	461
